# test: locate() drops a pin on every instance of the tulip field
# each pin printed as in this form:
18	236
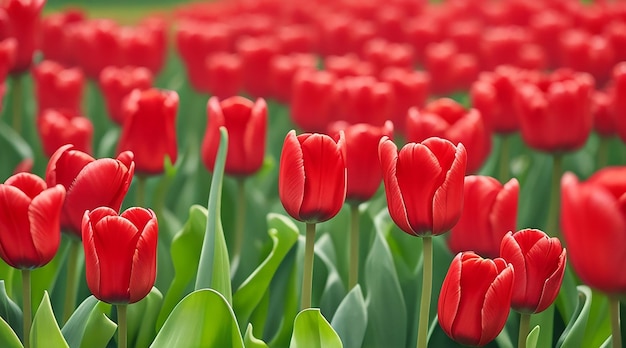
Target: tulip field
328	173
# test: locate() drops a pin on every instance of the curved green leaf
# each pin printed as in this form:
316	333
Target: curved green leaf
44	278
202	319
45	331
350	319
334	290
8	338
142	317
574	332
311	330
9	311
89	325
252	342
533	337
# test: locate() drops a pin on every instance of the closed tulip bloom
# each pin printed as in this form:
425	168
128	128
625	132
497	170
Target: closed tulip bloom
601	109
116	83
283	70
224	77
593	221
53	37
410	88
312	100
89	182
539	263
362	140
23	25
149	129
8	54
424	184
59	127
96	43
141	46
256	57
363	99
475	298
312	176
57	87
348	65
489	212
618	99
120	253
29	221
246	123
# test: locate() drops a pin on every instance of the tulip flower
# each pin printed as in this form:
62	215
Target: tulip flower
224	76
116	83
409	88
23	25
256	56
57	87
120	257
363	99
59	127
96	43
8	52
348	65
311	100
383	54
489	212
283	69
593	54
53	37
449	69
142	46
475	298
148	113
618	98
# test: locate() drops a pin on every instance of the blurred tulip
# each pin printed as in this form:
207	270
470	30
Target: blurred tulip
96	45
141	47
449	69
489	212
312	100
410	88
89	183
246	123
256	56
283	70
422	31
8	54
57	87
58	127
117	83
363	99
584	52
25	166
601	110
297	39
618	99
224	76
424	184
24	21
149	129
53	35
29	221
546	28
120	253
312	176
348	65
475	298
383	54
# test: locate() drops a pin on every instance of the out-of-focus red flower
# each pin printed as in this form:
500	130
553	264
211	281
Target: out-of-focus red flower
246	123
116	83
466	35
25	166
383	54
29	221
421	32
297	39
489	212
424	184
312	176
341	34
312	100
363	99
141	47
410	89
447	119
546	28
149	129
58	127
53	40
618	99
89	183
509	45
120	253
449	69
601	109
593	54
57	87
283	70
348	65
256	57
475	298
8	54
96	45
615	34
24	18
224	77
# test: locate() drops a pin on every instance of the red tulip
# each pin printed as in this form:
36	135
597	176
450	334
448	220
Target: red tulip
311	100
489	212
23	25
8	54
410	88
546	28
120	253
116	83
363	99
593	221
383	54
59	127
424	184
348	65
618	98
256	56
143	45
582	51
29	221
224	76
57	87
312	176
149	129
601	109
246	122
283	70
361	152
96	43
89	183
25	166
53	41
296	39
539	262
449	69
475	299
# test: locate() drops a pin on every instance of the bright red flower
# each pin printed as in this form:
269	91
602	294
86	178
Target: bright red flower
312	100
593	54
143	45
120	253
618	99
53	40
59	127
116	83
410	88
8	54
57	87
224	76
489	212
475	299
450	70
348	65
312	176
383	54
246	123
97	45
424	184
149	129
283	70
601	109
29	221
256	56
363	99
23	25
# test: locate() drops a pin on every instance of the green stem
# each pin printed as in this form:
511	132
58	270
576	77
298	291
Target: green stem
603	152
27	308
240	217
140	198
616	332
122	325
427	280
17	103
71	288
504	173
524	327
552	226
307	276
353	277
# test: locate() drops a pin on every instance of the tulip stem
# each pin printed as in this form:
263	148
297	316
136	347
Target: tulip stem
240	217
603	153
17	104
71	287
27	307
353	277
505	163
427	280
552	226
307	276
140	198
524	327
122	326
616	333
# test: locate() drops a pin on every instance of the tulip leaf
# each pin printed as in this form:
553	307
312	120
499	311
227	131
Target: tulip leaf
252	342
9	311
333	290
45	277
45	331
284	235
214	267
142	317
574	332
545	320
533	337
202	319
311	330
285	297
14	140
598	326
89	325
350	319
8	338
568	295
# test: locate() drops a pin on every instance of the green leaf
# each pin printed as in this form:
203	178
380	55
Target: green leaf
350	319
285	297
45	331
334	290
89	325
202	319
214	267
142	317
545	320
598	326
8	338
44	278
568	295
284	235
574	332
311	330
252	342
9	311
533	337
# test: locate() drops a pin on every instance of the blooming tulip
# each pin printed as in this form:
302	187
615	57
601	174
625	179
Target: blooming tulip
57	87
59	127
116	83
539	263
23	23
489	212
424	184
246	122
29	221
475	298
312	176
120	253
149	129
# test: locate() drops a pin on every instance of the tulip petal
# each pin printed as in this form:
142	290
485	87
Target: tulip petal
447	203
495	309
552	285
513	253
503	216
143	272
254	137
30	184
92	261
450	296
388	155
291	176
44	215
16	244
64	166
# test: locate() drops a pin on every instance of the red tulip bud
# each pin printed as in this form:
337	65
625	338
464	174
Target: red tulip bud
59	127
117	83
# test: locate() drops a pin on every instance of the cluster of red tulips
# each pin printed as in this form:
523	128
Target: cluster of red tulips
552	71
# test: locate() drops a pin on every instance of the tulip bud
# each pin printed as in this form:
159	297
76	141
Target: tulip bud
57	87
116	83
59	127
54	42
23	25
256	56
363	99
409	88
311	100
283	70
224	76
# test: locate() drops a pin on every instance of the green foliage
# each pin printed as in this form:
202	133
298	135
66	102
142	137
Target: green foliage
89	326
311	330
45	332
